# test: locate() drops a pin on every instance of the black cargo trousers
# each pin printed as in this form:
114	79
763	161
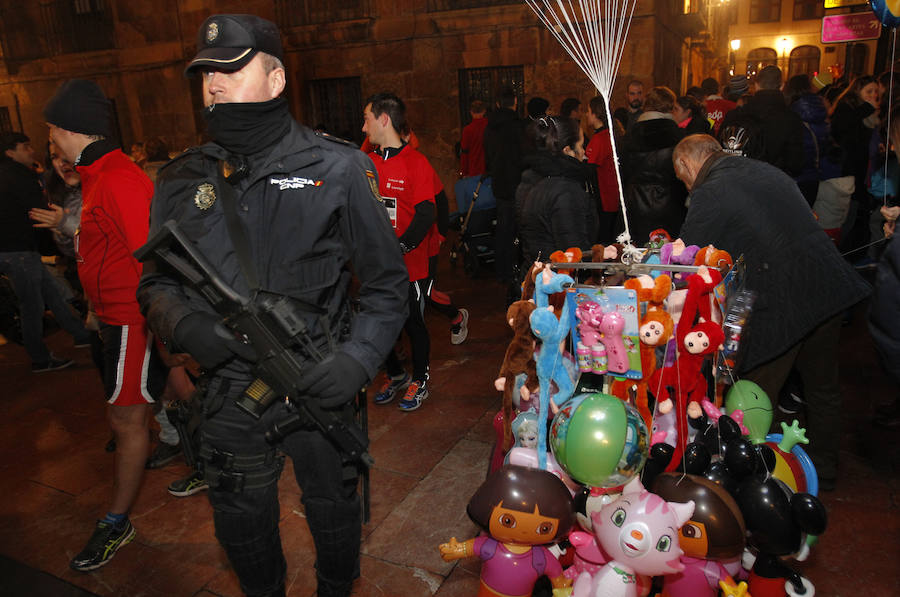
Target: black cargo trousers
242	471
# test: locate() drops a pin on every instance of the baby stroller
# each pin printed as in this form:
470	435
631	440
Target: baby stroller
477	219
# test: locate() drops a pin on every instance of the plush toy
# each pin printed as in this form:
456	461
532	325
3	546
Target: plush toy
712	540
694	342
551	332
678	254
522	509
599	254
519	358
655	329
713	257
639	532
570	255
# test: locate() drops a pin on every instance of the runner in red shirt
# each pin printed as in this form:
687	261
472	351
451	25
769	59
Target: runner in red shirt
471	147
406	185
599	152
115	219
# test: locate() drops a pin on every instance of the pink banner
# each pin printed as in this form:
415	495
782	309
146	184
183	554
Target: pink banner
850	27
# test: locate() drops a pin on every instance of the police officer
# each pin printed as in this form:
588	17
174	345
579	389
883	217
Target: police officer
308	207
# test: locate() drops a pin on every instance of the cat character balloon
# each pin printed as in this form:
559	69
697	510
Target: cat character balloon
639	531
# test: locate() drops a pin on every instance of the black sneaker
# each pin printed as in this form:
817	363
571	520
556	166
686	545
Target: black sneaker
791	404
163	455
195	483
54	364
102	546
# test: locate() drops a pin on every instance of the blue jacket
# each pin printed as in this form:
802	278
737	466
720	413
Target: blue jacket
821	156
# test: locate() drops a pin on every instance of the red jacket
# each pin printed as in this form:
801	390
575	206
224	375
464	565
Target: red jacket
471	158
115	220
716	109
599	151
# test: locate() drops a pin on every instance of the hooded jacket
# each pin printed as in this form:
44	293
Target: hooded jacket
554	211
821	155
654	197
781	129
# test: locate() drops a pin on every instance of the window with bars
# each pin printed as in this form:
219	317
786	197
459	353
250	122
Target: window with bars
5	121
296	13
442	5
486	84
336	106
765	11
804	60
77	25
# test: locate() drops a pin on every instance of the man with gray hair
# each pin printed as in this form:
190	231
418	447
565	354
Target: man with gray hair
803	285
279	211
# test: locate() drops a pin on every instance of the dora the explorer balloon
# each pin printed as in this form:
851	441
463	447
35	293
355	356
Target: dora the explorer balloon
523	509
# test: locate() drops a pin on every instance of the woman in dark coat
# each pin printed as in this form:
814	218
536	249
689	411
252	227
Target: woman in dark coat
654	197
554	210
853	118
690	115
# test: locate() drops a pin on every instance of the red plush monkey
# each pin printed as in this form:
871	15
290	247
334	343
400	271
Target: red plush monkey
697	336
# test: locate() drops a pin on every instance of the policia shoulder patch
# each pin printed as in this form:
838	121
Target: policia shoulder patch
373	185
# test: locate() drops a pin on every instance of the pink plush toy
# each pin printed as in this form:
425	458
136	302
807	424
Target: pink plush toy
639	531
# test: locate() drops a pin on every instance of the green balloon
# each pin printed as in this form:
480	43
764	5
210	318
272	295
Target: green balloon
599	440
748	397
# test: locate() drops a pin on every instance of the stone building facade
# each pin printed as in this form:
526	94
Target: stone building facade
436	54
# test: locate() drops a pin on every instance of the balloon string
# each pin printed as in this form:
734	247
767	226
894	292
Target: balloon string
890	104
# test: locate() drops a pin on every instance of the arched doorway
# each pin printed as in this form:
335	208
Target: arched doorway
804	60
759	58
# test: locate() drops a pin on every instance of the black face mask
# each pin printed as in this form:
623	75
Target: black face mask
248	128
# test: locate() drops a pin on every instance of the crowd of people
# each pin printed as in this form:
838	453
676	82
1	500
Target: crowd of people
788	176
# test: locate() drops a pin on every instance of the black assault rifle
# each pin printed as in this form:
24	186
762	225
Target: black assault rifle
270	324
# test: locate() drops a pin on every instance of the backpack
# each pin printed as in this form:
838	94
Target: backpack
741	134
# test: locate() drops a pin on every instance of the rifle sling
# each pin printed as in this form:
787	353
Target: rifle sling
237	233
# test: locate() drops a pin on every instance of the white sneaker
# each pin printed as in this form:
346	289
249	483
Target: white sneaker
460	331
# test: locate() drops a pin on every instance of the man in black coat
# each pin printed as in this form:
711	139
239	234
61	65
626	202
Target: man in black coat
803	285
767	115
504	140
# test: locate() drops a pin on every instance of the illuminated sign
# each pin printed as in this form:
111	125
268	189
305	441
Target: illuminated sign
840	3
850	27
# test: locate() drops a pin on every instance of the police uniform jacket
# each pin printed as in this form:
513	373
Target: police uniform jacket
311	211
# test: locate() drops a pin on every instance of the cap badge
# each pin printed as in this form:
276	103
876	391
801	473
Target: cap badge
212	32
205	196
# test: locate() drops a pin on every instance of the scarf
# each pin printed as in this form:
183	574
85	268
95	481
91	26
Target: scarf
248	128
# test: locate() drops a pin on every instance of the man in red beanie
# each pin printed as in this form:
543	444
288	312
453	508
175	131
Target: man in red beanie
114	223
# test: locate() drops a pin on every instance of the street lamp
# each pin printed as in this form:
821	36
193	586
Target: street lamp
735	46
783	44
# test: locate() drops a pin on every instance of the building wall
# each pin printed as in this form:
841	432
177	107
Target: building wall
787	34
400	46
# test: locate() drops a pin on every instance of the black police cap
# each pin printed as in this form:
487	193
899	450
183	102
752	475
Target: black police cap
229	41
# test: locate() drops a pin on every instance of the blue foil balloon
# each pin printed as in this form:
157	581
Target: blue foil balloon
887	11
